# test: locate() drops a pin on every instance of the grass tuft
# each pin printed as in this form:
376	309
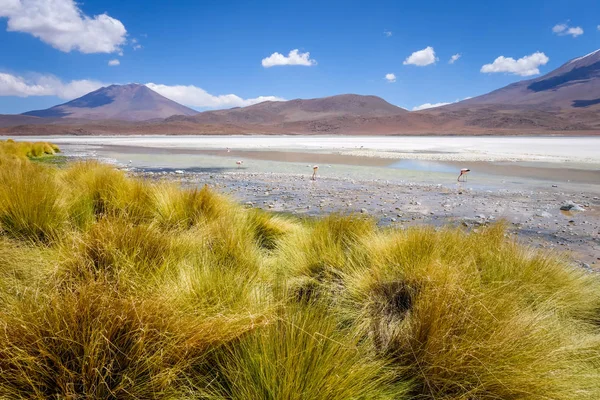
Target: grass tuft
117	287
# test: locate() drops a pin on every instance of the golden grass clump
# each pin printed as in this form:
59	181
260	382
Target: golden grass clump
433	302
11	150
306	354
117	287
91	342
31	203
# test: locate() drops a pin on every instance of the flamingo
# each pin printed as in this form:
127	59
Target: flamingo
464	171
314	175
239	163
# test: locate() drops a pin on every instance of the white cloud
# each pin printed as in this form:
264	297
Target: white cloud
293	58
422	58
45	85
48	85
454	58
565	29
429	105
391	78
196	97
387	33
434	105
135	44
598	27
114	63
61	24
525	66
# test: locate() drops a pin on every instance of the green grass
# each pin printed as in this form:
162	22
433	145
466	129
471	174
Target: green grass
115	287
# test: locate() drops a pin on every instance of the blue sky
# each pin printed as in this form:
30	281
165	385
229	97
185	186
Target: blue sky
195	51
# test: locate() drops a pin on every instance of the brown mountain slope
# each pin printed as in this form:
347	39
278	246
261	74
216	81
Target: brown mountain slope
575	84
131	102
279	112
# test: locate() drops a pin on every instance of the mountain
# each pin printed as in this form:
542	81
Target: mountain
299	110
565	101
131	102
574	85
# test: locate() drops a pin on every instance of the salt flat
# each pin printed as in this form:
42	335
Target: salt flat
446	148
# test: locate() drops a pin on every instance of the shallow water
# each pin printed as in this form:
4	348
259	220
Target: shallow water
567	163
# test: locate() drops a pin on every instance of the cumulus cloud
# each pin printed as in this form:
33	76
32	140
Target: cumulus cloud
454	58
422	58
294	58
61	24
196	97
45	85
525	66
391	78
114	63
565	29
48	85
387	33
598	27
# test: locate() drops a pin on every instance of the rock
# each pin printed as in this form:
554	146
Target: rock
554	185
570	206
363	210
393	219
544	214
179	171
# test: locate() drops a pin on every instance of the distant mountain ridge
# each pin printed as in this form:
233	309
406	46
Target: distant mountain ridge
576	84
291	111
564	101
131	102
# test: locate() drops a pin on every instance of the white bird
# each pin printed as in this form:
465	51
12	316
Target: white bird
464	171
239	163
228	149
314	175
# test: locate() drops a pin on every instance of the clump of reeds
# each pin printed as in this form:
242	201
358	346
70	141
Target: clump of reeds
116	287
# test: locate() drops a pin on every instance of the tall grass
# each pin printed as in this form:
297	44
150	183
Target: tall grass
115	287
